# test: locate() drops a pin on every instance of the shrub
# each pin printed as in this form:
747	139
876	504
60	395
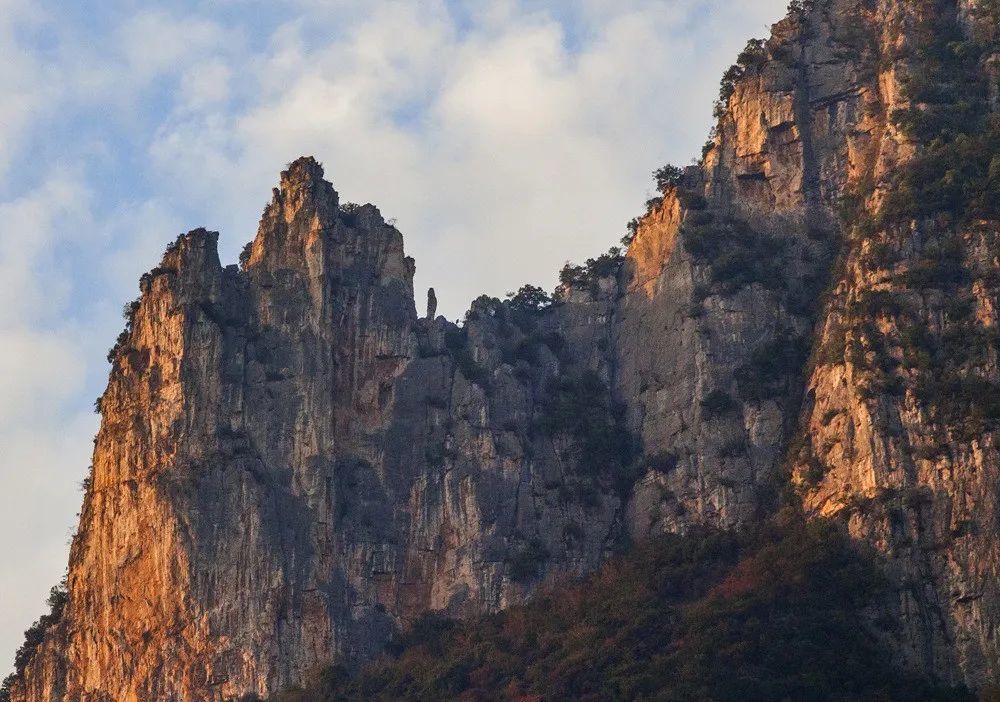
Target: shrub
734	447
752	58
456	341
737	255
594	269
663	462
718	403
771	365
581	406
956	169
526	304
667	177
245	254
773	614
572	275
35	635
527	562
129	310
349	212
631	229
120	344
692	200
529	299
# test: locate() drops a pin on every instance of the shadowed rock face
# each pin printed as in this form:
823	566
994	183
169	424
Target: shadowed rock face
292	465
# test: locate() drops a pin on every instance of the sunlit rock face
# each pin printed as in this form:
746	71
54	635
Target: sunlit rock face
889	425
292	465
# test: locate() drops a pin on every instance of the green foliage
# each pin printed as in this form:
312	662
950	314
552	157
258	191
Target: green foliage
737	255
526	562
667	177
797	8
771	366
718	403
960	176
752	58
349	212
663	462
525	306
245	254
580	405
691	200
457	342
527	348
707	148
773	614
941	266
529	299
953	180
631	229
957	170
129	310
35	635
587	275
121	343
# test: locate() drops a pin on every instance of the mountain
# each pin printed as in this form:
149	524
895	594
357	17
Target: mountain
293	466
781	610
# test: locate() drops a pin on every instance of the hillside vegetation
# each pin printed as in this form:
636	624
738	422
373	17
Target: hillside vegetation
789	611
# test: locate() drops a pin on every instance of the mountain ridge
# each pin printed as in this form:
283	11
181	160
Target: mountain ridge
292	465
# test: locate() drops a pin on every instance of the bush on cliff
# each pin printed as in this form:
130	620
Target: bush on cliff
588	275
581	406
776	614
34	635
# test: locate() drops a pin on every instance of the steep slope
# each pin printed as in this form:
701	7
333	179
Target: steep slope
774	613
899	436
874	125
292	465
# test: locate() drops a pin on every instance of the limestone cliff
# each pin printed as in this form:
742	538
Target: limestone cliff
292	464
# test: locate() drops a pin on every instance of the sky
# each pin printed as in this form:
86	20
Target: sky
504	136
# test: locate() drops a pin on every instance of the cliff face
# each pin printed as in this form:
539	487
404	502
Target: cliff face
292	464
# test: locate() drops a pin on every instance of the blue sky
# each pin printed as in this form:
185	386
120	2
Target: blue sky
504	136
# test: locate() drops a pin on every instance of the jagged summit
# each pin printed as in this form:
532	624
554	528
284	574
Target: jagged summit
305	176
302	170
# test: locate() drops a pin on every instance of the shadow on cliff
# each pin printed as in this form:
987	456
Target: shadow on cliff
789	610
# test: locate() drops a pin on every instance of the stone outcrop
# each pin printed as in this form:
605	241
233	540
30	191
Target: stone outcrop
292	464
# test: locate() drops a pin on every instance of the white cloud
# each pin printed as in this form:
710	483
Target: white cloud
41	466
156	41
31	290
25	83
205	85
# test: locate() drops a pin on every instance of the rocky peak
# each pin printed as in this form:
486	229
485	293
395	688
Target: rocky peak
302	183
193	260
302	208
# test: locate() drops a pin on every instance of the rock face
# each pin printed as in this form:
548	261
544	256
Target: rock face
292	465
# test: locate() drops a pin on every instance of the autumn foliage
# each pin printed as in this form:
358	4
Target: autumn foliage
787	612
